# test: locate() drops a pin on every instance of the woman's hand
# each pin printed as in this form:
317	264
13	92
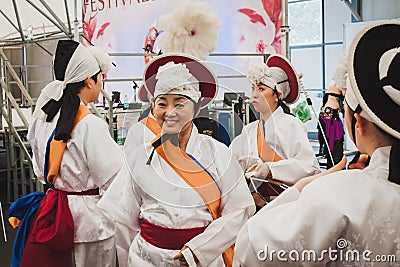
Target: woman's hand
262	171
360	163
305	181
182	259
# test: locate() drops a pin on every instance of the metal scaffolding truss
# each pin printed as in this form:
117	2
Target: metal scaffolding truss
37	20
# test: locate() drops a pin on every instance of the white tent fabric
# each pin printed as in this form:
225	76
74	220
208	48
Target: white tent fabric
33	23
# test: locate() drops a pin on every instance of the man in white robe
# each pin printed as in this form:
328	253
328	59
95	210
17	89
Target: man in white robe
91	159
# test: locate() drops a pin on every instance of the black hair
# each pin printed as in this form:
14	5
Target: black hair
281	104
68	106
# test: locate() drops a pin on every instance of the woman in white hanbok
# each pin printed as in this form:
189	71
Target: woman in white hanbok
286	153
349	217
164	218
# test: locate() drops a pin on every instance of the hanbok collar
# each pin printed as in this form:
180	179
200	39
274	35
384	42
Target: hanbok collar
192	143
275	116
379	164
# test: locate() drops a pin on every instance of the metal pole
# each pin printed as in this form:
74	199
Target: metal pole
9	20
309	102
53	14
24	72
68	18
2	222
61	27
352	10
76	22
285	30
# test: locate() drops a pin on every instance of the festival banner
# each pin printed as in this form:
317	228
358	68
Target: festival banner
130	26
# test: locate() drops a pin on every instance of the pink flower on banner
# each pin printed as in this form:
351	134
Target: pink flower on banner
274	11
260	48
90	28
267	24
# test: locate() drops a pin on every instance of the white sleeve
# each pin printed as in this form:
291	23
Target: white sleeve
244	252
122	203
237	206
243	146
103	155
299	161
137	135
294	226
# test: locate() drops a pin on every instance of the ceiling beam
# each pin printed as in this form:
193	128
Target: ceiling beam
68	18
21	31
54	15
63	29
9	20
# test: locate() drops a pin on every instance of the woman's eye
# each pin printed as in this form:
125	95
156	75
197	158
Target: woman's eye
180	105
260	89
161	104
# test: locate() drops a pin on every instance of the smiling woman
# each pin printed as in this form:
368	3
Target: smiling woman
185	202
174	113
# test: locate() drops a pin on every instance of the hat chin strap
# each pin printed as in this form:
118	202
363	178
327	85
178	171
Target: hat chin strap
354	121
394	167
394	158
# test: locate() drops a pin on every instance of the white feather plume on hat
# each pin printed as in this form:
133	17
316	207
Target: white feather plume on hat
192	29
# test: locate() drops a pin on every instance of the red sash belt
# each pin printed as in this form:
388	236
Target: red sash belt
167	238
90	192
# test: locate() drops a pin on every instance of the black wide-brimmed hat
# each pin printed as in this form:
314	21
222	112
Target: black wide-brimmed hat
205	76
374	74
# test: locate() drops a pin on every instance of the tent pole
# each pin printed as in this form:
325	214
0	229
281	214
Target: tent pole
76	22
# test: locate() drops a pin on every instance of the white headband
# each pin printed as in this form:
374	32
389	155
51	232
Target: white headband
352	101
84	63
176	79
271	77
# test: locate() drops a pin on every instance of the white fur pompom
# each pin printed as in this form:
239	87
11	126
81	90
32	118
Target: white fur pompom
192	28
103	59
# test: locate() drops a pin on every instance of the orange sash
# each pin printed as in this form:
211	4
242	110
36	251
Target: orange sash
265	152
152	124
193	174
57	148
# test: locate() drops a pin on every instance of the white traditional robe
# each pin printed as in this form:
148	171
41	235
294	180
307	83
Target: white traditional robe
158	194
287	136
352	209
138	135
91	160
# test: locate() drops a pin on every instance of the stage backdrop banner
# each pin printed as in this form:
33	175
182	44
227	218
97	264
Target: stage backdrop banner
130	26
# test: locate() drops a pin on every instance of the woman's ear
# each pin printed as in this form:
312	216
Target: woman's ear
279	96
361	124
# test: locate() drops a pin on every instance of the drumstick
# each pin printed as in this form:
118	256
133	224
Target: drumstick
252	167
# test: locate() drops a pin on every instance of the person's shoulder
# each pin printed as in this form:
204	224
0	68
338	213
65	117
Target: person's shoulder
249	127
339	183
288	121
213	143
92	122
251	124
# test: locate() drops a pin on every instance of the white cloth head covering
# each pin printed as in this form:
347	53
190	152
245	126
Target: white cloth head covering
84	63
176	79
340	74
352	101
270	76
